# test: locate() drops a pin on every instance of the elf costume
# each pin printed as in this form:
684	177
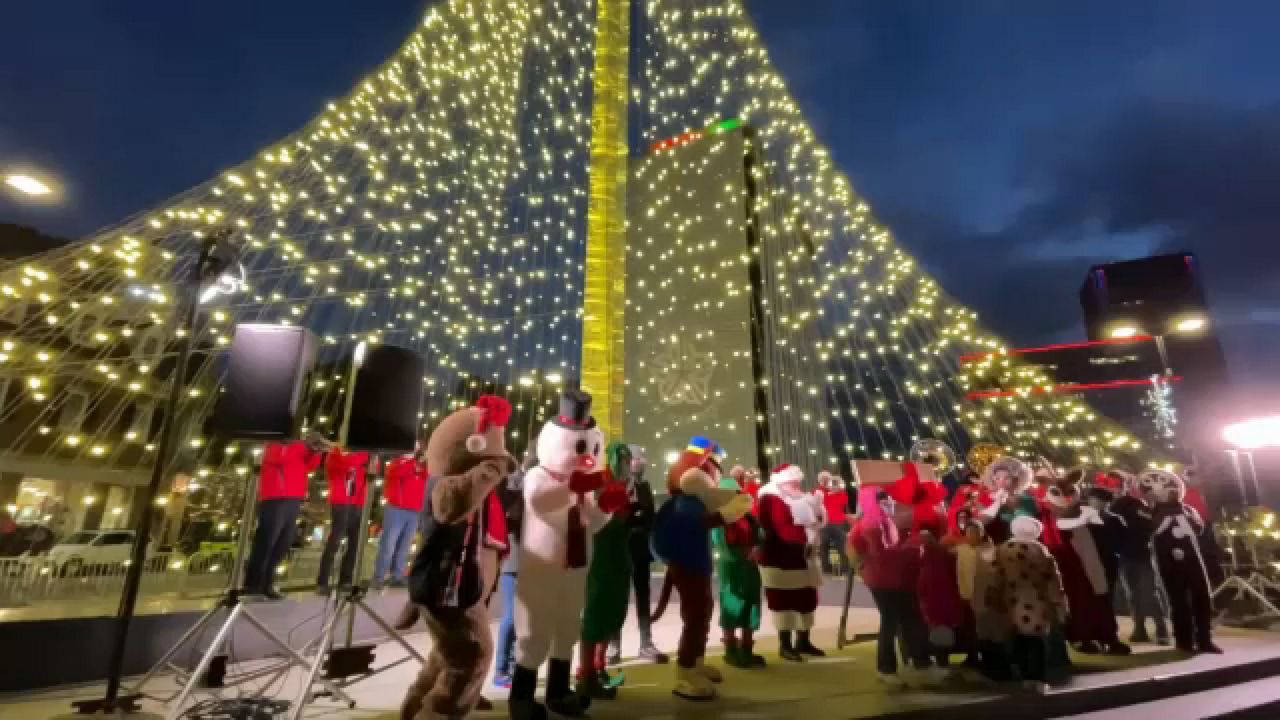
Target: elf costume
608	589
740	587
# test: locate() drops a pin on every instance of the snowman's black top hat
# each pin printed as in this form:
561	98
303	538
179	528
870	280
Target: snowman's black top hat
575	411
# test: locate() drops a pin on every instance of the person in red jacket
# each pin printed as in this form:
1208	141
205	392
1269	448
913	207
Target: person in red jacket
345	471
282	486
890	569
404	490
835	500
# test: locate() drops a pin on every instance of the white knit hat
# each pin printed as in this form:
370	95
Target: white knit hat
1025	527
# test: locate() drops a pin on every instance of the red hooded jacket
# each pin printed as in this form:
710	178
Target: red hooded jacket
345	471
406	484
284	470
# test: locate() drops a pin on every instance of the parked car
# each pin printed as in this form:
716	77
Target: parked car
26	540
92	550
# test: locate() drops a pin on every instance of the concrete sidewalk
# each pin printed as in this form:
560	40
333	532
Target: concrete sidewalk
843	685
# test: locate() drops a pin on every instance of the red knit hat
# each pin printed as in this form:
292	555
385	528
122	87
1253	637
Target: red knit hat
494	413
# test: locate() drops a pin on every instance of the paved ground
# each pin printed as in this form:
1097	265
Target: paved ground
842	686
1203	705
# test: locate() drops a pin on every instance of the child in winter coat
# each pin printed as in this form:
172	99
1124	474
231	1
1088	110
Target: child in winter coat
1026	585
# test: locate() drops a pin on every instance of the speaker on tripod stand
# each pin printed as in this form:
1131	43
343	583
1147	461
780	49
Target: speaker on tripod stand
382	415
259	400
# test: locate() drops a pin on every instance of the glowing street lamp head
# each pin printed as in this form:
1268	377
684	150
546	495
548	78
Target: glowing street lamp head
1254	433
1124	330
1190	324
27	185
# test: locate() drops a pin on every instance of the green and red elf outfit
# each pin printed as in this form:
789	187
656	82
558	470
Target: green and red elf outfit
740	587
608	588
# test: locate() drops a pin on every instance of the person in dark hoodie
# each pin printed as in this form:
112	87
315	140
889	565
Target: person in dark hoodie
641	523
1137	567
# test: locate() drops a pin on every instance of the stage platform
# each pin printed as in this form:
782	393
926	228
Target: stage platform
843	685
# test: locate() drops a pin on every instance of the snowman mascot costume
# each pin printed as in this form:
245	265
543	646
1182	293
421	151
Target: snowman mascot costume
561	514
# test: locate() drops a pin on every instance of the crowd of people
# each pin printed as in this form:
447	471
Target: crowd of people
1016	565
1007	568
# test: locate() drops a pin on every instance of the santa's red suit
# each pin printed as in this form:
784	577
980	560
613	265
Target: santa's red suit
786	514
1077	548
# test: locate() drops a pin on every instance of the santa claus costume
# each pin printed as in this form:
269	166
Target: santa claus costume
787	516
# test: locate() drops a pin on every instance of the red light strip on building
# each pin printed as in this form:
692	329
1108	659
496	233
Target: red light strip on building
1071	388
692	135
682	139
1063	346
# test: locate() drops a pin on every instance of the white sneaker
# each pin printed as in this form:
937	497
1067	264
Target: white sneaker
1035	686
938	675
892	680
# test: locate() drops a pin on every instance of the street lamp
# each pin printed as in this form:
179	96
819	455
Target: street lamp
1254	433
1246	436
1124	330
1190	324
27	185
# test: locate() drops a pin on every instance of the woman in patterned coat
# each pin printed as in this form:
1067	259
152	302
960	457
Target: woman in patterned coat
1027	586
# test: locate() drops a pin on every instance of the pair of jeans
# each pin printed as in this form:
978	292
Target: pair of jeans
277	521
1146	599
398	527
834	535
900	619
506	652
344	524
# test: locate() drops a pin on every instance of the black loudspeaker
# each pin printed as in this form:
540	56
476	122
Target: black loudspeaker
266	375
386	400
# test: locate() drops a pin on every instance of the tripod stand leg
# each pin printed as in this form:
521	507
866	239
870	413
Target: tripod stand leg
391	632
175	710
842	637
186	637
313	667
1260	596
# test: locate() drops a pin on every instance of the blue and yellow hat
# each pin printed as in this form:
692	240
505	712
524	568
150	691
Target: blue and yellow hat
700	444
706	446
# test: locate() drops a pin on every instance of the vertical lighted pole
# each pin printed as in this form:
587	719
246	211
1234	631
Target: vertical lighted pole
603	302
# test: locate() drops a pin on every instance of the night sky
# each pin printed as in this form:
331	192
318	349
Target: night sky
1009	145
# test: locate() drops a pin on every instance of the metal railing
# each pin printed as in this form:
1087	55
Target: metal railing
35	580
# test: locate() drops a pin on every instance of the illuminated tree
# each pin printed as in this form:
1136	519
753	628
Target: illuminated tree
442	205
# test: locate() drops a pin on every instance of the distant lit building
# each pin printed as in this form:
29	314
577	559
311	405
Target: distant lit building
1163	297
